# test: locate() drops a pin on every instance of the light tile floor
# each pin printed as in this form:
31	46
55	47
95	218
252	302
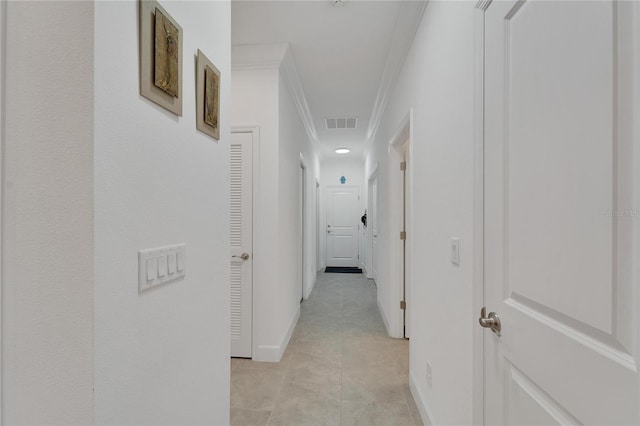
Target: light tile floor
340	367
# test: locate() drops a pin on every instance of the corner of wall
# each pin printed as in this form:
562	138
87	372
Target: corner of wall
420	399
273	353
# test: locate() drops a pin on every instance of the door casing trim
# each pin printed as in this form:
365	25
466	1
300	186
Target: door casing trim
478	211
404	133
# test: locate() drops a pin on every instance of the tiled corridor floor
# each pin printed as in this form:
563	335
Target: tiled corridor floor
340	367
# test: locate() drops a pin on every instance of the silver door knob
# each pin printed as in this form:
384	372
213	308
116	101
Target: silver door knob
492	321
243	256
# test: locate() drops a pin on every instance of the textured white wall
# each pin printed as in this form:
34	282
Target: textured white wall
294	142
161	357
331	169
47	324
437	81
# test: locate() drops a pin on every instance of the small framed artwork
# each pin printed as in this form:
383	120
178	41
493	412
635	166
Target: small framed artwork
207	97
160	57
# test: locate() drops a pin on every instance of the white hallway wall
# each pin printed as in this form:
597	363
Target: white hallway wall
260	98
294	142
437	82
95	173
331	170
47	280
160	357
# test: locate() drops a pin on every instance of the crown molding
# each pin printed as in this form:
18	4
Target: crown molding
404	32
291	78
257	56
280	57
483	4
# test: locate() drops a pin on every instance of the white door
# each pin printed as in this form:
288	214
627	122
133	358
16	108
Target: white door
342	226
241	269
558	166
374	228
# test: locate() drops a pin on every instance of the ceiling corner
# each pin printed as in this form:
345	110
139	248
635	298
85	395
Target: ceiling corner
258	56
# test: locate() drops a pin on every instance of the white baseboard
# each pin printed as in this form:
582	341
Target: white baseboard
273	353
419	399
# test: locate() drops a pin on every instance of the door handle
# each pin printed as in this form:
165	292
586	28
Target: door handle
492	321
243	256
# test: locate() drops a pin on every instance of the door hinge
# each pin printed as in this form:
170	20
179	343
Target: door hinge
403	305
403	235
403	165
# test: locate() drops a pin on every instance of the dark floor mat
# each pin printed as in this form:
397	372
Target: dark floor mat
343	269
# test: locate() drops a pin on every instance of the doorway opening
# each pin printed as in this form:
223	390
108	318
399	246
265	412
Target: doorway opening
400	179
303	225
242	214
318	260
372	224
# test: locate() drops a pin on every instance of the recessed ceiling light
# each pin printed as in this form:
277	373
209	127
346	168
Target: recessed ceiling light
342	151
338	3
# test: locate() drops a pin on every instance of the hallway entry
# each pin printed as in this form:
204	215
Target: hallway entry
561	347
241	240
342	226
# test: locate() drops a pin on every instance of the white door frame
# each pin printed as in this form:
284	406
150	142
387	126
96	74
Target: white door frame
318	248
371	213
478	210
403	134
3	76
304	226
255	132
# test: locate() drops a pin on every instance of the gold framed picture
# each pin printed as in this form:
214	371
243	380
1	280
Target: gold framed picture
160	57
207	97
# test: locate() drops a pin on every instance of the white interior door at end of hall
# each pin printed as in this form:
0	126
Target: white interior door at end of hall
342	226
241	233
558	268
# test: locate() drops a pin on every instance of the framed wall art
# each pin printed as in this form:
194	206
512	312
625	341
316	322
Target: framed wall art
207	97
160	57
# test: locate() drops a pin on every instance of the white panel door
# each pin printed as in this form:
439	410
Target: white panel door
342	226
558	264
241	266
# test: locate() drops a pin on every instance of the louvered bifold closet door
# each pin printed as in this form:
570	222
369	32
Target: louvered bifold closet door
241	265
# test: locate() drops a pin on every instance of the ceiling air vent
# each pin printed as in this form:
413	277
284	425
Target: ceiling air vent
341	122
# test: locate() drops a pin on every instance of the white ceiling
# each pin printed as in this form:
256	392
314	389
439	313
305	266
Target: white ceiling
340	54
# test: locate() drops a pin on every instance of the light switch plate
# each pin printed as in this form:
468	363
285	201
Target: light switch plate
455	251
160	266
